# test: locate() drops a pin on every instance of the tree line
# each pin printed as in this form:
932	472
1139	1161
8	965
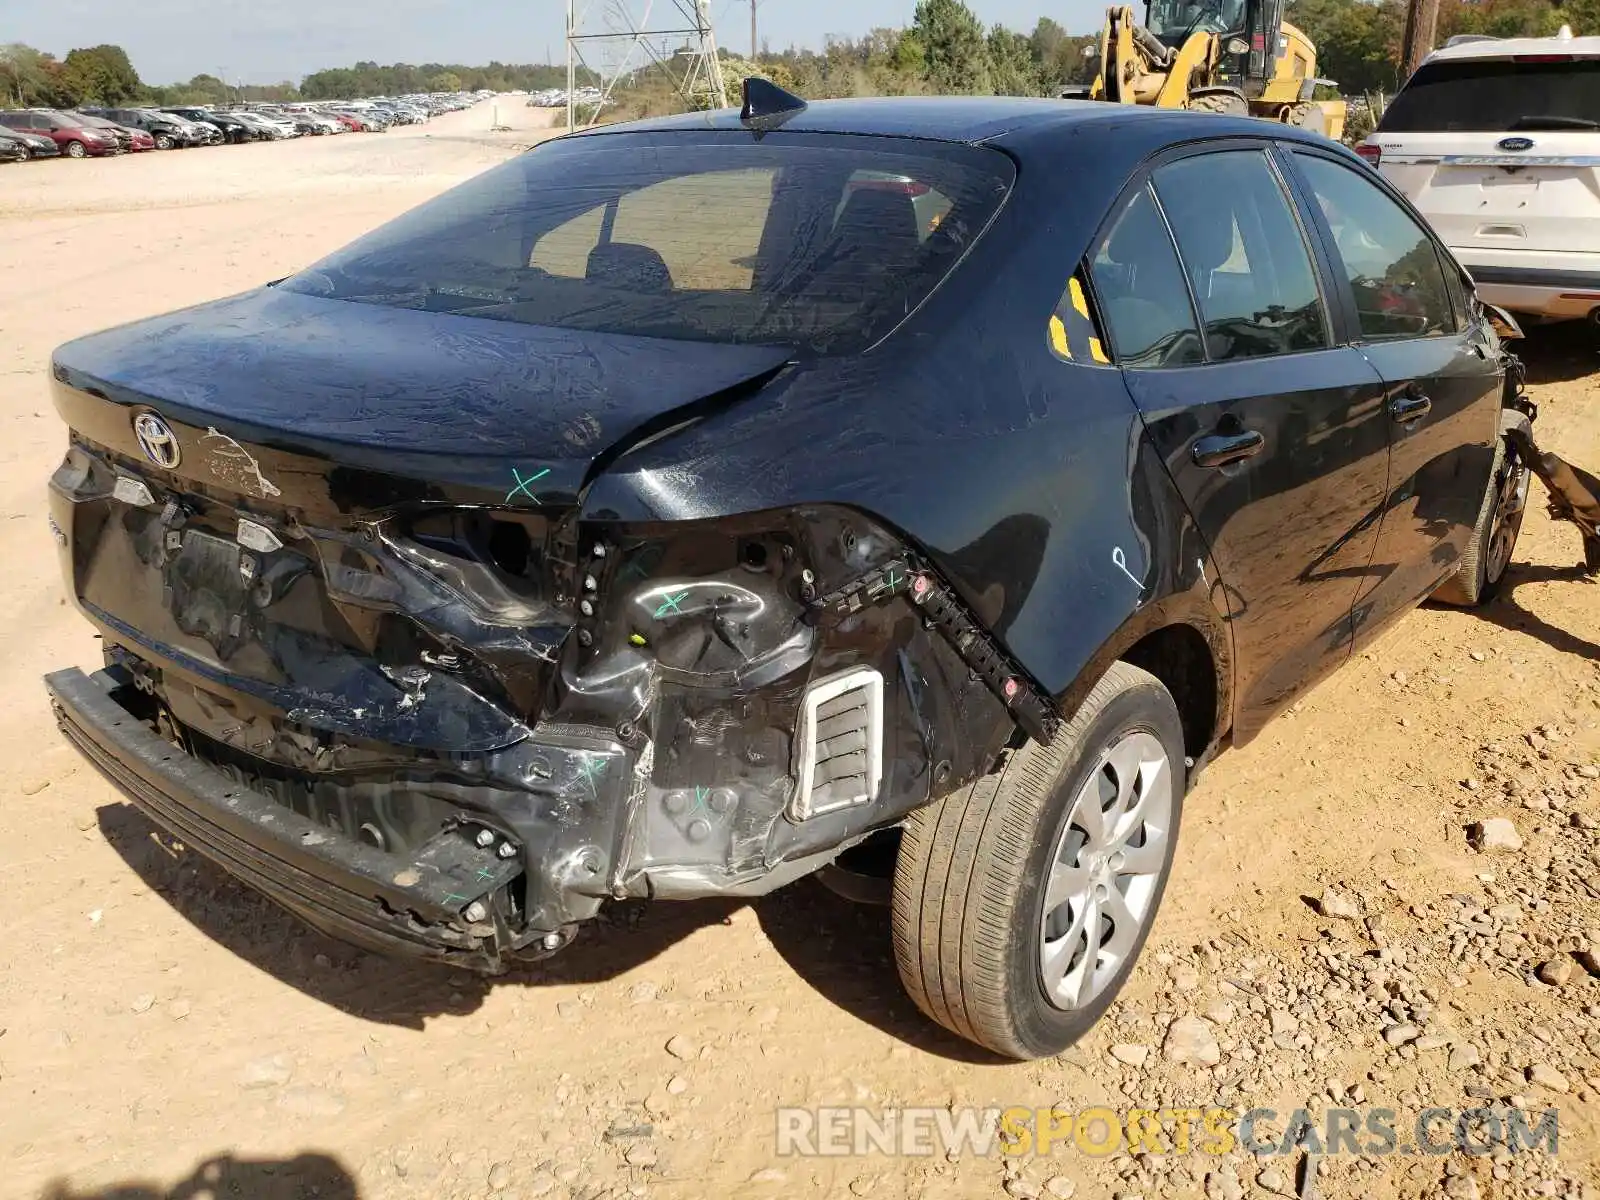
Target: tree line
945	49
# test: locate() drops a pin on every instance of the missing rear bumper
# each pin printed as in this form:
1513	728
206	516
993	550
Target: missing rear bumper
438	904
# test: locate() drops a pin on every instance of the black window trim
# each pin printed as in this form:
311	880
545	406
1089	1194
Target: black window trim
1464	321
1330	283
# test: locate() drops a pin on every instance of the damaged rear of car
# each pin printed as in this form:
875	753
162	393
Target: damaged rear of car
376	641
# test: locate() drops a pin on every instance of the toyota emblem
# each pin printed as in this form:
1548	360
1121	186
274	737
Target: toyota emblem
156	439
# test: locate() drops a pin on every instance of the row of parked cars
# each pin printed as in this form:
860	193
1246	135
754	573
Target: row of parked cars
94	131
557	97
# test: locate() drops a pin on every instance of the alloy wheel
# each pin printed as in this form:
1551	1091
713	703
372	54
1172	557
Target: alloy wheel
1105	871
1508	510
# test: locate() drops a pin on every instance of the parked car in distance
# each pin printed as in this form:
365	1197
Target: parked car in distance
128	139
400	114
258	127
203	132
368	120
32	143
1497	142
310	121
71	136
795	523
230	127
166	130
285	127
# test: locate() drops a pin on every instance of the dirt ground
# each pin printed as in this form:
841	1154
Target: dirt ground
164	1030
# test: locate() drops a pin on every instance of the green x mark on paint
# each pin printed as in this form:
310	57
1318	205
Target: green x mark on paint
589	768
670	604
524	486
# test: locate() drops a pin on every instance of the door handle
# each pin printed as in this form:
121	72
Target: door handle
1410	406
1220	449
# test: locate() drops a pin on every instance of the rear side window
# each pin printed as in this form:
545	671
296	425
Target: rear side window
1246	259
821	242
1390	261
1493	96
1139	286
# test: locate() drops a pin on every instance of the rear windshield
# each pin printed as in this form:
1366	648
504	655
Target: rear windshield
1496	96
823	243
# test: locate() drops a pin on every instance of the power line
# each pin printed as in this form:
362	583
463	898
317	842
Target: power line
623	42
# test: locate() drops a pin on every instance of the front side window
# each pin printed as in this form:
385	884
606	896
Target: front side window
824	243
1141	293
1245	256
1174	20
1388	258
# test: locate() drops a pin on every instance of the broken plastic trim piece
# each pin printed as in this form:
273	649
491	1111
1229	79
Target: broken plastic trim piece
839	742
944	611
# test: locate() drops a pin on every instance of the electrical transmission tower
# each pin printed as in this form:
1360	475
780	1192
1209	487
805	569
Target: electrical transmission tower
617	39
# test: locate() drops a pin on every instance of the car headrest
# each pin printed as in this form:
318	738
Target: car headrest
1136	236
628	267
1204	226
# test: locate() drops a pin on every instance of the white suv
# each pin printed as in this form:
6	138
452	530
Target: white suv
1497	142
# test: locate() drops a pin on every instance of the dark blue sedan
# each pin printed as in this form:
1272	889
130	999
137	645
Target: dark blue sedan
689	506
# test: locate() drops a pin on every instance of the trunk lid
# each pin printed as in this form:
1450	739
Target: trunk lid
429	396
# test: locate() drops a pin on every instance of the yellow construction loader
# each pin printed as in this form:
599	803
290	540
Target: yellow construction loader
1226	56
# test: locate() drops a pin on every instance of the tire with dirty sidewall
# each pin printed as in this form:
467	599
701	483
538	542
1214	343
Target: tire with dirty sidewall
1470	585
968	883
1228	104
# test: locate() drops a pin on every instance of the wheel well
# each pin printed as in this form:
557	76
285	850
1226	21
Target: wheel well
1179	656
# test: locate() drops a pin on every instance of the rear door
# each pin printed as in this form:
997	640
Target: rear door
1441	379
1502	155
1274	433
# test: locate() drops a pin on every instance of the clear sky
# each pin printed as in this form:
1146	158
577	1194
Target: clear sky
262	41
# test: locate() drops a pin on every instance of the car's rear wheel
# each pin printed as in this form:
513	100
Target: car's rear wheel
1022	901
1494	536
76	150
163	142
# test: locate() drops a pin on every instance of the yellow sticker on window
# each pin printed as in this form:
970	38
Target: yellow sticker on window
1058	337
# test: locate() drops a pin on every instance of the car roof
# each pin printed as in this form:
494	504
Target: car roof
969	119
1502	48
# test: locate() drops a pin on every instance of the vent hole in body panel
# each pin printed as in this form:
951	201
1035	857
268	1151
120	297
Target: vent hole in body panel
839	745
